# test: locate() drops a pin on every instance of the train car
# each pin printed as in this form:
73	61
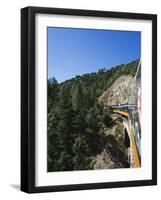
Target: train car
135	113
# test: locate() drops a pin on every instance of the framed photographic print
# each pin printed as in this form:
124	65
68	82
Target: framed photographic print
88	99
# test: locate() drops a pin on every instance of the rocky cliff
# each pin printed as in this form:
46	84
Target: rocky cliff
115	153
119	92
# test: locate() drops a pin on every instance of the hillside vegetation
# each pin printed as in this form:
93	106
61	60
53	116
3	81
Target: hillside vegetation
78	129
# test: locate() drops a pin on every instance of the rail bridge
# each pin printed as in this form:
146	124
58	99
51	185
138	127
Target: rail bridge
131	134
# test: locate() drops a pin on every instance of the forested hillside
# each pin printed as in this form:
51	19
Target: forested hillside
76	121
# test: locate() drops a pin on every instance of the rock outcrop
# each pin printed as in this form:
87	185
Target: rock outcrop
119	92
115	154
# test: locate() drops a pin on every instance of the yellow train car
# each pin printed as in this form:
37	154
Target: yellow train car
124	113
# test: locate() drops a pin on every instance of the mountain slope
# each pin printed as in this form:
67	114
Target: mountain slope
80	134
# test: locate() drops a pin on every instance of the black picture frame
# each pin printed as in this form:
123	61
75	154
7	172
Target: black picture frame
28	98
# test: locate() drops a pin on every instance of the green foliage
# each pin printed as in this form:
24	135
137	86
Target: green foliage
76	120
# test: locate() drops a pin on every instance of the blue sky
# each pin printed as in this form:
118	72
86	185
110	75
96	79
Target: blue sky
74	52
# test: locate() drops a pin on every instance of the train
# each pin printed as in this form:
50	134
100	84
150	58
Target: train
131	113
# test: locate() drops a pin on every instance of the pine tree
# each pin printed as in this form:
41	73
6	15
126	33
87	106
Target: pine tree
65	130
